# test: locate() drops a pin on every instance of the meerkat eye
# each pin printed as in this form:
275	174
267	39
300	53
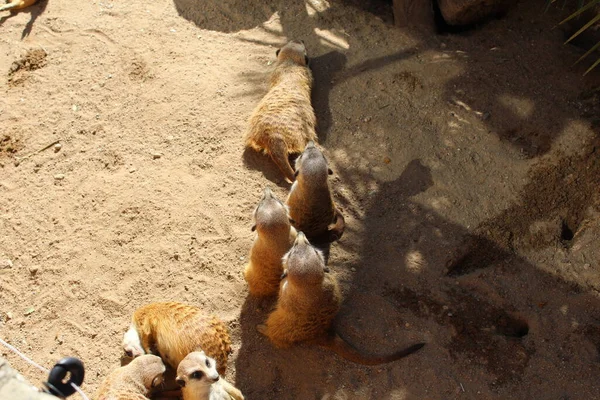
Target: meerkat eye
196	375
208	363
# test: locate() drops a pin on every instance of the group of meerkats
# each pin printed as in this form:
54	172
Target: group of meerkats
283	264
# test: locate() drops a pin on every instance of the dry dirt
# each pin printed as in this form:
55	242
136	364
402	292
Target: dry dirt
467	166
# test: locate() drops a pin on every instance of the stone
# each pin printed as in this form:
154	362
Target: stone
468	12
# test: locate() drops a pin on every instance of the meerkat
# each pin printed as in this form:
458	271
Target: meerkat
275	236
17	5
199	380
309	299
310	203
133	381
173	330
284	120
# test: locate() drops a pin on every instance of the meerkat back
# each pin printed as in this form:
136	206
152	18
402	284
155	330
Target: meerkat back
310	202
133	381
284	120
275	236
173	330
309	298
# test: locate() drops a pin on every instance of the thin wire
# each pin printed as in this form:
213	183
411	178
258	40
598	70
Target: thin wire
38	366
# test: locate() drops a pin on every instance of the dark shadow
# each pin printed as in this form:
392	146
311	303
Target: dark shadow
34	11
324	69
264	163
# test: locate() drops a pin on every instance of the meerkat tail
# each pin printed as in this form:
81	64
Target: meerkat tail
336	229
279	153
345	350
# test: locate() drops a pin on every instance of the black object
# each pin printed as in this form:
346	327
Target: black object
56	384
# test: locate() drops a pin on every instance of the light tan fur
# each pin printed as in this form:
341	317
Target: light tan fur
199	380
310	203
17	5
173	330
275	236
133	381
309	299
284	120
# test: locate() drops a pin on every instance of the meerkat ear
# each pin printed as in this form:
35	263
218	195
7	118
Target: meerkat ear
180	381
253	227
329	171
277	52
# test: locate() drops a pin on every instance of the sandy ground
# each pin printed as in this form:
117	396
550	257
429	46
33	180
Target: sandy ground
467	168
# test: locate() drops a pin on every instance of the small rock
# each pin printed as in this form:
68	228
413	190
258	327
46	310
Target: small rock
132	170
17	162
5	264
74	107
9	316
366	119
156	156
57	147
59	339
33	270
59	177
387	160
29	311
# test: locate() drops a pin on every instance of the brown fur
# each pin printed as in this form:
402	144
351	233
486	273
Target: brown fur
17	5
173	330
309	299
206	385
310	203
133	381
275	236
284	120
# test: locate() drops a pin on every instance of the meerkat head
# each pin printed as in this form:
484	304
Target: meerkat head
312	164
196	372
304	264
132	344
271	214
294	50
149	368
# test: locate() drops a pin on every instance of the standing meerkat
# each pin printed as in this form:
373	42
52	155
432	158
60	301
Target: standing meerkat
310	203
17	5
133	381
309	299
199	380
284	120
173	330
275	236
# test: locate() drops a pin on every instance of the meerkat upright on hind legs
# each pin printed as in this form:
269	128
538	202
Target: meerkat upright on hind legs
133	381
275	236
173	330
284	120
310	203
199	380
309	299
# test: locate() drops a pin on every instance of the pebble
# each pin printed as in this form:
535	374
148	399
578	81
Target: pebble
156	155
8	315
33	270
132	170
5	264
29	311
59	177
57	147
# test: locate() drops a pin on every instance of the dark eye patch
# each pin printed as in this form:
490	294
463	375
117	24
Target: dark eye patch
196	375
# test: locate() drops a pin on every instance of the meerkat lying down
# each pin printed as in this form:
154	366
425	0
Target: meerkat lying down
133	381
173	330
284	120
199	380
